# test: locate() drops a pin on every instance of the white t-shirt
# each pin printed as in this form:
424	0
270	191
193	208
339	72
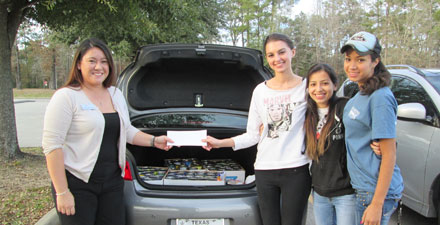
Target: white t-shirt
322	114
282	112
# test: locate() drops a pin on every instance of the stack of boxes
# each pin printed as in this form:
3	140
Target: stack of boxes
151	174
194	172
234	173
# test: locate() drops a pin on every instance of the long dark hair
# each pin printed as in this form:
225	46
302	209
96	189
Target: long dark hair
316	147
75	78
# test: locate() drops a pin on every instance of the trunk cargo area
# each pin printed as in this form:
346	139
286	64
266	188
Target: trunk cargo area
153	157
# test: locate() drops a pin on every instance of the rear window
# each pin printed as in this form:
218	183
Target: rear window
435	82
191	120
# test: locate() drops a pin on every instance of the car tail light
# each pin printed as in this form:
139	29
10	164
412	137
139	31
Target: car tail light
127	175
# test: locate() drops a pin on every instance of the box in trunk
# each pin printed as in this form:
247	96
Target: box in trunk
194	178
184	164
234	173
194	172
158	158
151	174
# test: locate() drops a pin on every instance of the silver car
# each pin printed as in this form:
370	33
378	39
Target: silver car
182	87
417	92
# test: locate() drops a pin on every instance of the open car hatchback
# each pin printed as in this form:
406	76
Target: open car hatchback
183	87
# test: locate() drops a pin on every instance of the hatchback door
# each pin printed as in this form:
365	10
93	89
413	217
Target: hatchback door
194	76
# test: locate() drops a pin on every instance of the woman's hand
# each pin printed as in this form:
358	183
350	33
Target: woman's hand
66	203
161	142
55	165
211	143
372	215
376	148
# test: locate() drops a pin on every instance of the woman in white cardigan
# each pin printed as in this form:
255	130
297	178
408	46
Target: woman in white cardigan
86	128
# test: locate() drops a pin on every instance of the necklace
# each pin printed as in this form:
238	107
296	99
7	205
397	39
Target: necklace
97	96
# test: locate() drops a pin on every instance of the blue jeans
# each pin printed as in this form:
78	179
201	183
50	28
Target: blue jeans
363	200
338	210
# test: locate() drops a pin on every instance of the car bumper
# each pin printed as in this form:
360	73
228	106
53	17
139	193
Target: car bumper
157	207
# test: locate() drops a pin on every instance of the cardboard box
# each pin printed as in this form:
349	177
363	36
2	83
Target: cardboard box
151	174
194	172
194	178
234	172
184	164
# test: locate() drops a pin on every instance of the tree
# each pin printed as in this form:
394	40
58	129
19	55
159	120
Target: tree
25	34
12	14
124	24
233	22
18	75
135	22
253	20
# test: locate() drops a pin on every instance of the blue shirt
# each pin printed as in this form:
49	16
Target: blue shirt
367	118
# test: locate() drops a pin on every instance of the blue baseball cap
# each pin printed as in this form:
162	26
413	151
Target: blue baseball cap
363	43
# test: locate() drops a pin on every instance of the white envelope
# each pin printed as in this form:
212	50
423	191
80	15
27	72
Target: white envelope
187	138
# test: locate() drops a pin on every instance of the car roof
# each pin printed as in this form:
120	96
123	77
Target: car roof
408	71
413	72
426	77
433	71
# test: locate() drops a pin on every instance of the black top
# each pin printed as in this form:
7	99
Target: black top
330	176
107	165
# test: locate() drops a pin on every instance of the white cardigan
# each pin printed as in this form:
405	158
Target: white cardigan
74	124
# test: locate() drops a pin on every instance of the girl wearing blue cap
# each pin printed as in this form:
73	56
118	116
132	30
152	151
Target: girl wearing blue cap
371	115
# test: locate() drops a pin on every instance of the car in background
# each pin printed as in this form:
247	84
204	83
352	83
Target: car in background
417	92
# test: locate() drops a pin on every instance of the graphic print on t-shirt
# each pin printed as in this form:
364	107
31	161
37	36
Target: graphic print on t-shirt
279	114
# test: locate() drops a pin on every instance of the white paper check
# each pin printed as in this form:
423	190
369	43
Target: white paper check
187	138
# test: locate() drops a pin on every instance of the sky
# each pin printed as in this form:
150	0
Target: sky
306	6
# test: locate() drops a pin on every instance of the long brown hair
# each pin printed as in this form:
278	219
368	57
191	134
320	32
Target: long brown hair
381	77
316	147
75	78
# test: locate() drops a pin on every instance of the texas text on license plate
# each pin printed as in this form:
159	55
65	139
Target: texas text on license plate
200	222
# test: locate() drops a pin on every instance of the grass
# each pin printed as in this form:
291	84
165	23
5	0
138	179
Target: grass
33	93
26	207
25	193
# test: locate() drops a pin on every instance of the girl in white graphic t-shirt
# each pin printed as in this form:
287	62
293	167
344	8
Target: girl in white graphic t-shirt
281	168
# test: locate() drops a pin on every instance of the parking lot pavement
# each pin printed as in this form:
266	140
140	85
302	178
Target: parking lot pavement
29	116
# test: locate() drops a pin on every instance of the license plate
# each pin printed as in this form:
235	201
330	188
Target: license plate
200	221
